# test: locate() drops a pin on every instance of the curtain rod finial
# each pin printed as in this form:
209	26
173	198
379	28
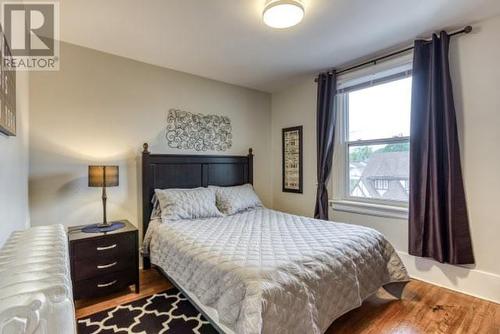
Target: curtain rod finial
468	29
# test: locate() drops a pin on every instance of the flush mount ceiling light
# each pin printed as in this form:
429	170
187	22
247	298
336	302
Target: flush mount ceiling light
282	14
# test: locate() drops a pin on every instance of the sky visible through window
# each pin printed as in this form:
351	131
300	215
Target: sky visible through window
381	111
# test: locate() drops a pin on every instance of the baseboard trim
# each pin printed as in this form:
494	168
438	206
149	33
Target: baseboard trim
476	283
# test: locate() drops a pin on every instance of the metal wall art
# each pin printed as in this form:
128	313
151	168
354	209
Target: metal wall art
188	131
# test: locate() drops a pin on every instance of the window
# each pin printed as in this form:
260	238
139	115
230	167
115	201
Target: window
381	184
376	118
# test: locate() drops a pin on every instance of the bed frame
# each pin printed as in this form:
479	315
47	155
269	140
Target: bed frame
163	171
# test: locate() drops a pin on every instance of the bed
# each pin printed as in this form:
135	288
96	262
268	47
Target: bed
262	271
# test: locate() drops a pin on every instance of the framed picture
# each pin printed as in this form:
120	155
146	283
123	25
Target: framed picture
7	91
292	160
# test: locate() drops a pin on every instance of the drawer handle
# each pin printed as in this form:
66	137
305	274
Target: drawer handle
104	266
106	284
106	248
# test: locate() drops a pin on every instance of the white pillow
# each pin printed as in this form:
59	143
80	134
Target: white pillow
156	212
196	203
231	200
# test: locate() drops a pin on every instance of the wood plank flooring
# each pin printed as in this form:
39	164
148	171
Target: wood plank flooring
425	308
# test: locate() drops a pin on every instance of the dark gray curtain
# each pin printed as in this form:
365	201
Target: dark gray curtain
439	225
325	126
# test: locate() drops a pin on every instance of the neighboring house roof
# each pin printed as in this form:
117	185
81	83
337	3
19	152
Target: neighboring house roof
387	165
391	166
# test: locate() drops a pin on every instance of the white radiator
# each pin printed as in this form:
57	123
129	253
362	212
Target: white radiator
35	283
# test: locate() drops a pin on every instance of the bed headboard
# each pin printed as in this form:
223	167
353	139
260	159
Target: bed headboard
162	171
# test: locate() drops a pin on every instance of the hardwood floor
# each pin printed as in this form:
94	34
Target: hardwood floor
425	308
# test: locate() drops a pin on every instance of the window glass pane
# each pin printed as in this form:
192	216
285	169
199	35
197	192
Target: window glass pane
381	111
379	171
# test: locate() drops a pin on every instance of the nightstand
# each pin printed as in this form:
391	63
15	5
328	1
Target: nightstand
103	263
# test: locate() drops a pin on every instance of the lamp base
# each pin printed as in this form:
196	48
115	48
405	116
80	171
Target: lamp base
101	228
104	225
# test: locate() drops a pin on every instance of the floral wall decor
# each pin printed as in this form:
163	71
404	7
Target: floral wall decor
188	131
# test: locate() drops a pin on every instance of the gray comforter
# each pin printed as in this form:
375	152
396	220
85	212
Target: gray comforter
264	271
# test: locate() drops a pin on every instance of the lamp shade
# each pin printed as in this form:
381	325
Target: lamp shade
103	176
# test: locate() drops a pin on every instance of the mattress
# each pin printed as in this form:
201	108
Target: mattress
264	271
35	283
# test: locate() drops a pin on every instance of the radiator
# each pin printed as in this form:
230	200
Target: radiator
35	283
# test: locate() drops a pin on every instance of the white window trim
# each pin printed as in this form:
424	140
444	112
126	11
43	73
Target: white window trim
371	209
342	201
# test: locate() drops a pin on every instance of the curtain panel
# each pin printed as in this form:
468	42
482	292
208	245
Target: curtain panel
438	219
326	119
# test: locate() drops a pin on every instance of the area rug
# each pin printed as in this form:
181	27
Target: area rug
168	312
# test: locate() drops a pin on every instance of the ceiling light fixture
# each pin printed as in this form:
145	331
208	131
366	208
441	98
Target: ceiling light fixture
282	14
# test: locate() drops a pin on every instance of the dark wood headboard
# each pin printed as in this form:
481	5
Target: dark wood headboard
163	171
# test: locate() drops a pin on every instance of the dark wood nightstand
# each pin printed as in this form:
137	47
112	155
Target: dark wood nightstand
103	263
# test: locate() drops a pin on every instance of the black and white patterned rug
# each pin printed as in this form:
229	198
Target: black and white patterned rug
168	312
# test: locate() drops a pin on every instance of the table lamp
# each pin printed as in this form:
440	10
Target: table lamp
103	176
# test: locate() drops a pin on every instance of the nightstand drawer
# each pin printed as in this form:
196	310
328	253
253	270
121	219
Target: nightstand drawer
105	284
110	247
93	267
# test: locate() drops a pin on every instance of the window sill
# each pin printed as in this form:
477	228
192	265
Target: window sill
370	209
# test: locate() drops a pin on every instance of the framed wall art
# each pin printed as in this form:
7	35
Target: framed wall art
292	160
7	91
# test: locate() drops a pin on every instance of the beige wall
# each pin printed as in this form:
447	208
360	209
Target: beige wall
14	167
476	76
100	108
293	107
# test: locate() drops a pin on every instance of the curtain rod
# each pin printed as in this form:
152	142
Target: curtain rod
465	30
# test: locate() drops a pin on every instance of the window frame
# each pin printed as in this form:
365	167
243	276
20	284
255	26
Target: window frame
348	144
344	201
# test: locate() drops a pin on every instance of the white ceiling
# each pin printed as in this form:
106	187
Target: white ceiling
227	41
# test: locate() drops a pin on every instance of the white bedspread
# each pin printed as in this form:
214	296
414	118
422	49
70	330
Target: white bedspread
264	271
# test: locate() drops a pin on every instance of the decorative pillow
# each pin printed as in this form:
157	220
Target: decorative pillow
156	213
178	204
231	200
